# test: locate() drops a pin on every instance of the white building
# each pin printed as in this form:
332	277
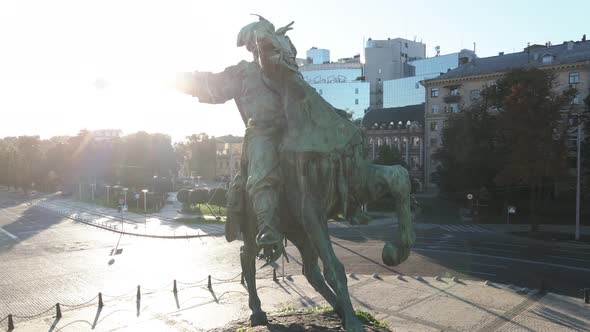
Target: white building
318	56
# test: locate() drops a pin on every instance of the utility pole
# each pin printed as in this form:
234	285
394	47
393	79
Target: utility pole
579	147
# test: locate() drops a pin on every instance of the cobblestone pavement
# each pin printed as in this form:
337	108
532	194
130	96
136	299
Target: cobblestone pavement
46	258
404	303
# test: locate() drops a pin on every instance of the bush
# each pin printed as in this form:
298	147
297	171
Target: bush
199	196
183	196
218	196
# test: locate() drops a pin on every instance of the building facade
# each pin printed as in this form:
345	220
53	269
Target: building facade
318	56
458	88
388	60
401	128
228	156
408	90
341	84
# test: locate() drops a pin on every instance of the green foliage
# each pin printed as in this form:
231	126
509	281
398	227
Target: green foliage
514	137
61	163
387	155
468	157
369	319
218	196
199	196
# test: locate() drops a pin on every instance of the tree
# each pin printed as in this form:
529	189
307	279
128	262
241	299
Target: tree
387	155
531	132
468	156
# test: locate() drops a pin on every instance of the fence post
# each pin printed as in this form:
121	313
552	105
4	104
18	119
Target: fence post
242	279
274	275
209	282
138	293
57	311
174	288
100	303
10	323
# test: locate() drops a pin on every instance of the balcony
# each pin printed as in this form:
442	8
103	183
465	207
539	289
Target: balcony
452	99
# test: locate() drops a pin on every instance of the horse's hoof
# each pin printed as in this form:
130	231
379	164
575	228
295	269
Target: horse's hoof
258	318
394	255
353	324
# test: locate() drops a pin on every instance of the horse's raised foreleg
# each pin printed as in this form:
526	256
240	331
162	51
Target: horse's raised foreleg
394	180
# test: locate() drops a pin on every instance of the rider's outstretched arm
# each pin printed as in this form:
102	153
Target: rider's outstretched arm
212	88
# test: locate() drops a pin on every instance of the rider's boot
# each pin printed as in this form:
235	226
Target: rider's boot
266	204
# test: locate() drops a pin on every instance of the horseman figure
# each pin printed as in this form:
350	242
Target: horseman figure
303	163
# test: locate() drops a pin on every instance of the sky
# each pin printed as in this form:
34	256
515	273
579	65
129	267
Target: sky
53	52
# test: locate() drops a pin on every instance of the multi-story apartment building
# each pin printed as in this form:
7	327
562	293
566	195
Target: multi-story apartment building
450	92
388	60
401	128
408	90
340	83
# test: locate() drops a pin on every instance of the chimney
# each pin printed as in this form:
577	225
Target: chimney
500	53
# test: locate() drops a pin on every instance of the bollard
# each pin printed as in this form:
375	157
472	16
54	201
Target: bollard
138	293
274	275
57	311
209	282
242	279
100	303
438	278
10	323
376	276
174	288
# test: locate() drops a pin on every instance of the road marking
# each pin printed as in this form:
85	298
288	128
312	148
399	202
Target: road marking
12	236
573	259
506	258
476	272
506	244
492	265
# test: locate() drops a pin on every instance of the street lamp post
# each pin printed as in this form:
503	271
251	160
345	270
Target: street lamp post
578	152
108	200
144	191
125	196
93	187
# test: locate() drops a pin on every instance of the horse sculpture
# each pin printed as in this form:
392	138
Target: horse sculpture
324	167
310	196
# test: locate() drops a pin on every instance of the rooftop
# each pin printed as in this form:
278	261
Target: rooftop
568	52
414	113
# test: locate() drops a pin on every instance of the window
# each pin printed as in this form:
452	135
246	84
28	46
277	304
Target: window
434	92
474	94
454	91
406	44
433	126
548	58
574	78
433	142
576	100
356	101
416	141
434	109
356	91
454	108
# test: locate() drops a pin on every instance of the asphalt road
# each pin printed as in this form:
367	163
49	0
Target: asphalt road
46	259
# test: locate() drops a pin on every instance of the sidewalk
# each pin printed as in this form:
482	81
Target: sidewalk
405	303
129	222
